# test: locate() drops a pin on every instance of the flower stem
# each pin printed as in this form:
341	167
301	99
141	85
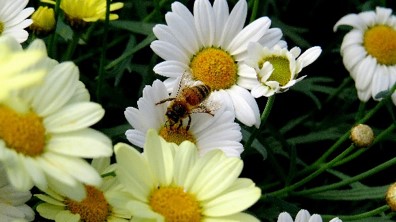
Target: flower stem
254	11
360	216
103	53
264	116
52	39
350	180
72	46
324	167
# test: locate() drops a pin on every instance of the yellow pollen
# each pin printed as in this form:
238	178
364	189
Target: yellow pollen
380	42
175	205
25	133
281	72
94	208
215	68
176	134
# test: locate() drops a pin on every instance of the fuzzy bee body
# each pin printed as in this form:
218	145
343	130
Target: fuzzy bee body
187	101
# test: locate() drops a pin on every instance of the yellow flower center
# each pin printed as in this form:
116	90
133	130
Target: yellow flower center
25	133
176	134
175	205
1	28
380	42
215	68
94	208
281	73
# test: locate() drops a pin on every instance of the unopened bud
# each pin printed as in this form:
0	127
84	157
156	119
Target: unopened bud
391	197
362	135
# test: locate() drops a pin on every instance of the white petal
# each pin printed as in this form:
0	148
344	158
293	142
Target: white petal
246	108
204	22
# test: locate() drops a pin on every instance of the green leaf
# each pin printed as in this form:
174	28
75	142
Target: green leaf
331	133
361	193
137	27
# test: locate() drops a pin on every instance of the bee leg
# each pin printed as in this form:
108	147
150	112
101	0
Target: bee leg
165	100
189	123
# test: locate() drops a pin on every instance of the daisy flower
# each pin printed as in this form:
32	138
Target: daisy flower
16	70
13	19
43	21
12	201
276	69
45	134
369	51
209	46
168	182
100	204
206	131
78	12
303	216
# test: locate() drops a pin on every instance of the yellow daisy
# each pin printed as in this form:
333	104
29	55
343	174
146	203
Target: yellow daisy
43	21
101	203
78	12
45	134
173	183
14	66
369	51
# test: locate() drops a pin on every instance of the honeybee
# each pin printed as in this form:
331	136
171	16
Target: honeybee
188	100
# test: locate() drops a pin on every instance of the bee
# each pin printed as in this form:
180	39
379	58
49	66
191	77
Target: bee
188	100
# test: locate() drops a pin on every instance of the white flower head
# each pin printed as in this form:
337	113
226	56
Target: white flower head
206	131
12	201
369	51
103	202
45	134
303	216
13	19
174	183
209	46
276	69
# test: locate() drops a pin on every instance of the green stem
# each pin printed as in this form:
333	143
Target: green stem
350	180
52	39
324	167
157	7
72	46
103	53
264	116
367	214
254	11
360	112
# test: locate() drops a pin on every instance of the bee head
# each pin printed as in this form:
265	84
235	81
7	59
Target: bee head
176	112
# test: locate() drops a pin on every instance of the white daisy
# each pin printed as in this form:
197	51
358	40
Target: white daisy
12	201
303	216
276	69
14	64
45	134
209	46
173	183
103	203
206	131
13	19
369	51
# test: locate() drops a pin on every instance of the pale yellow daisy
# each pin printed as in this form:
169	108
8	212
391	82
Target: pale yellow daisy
210	46
45	134
173	183
103	203
13	19
369	51
16	70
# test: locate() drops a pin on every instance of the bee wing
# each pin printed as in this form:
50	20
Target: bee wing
213	104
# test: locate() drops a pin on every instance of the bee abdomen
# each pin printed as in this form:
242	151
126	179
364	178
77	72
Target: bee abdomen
197	94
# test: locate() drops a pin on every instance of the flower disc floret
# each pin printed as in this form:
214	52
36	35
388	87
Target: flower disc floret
380	42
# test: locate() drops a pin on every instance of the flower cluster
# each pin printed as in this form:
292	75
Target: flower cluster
181	156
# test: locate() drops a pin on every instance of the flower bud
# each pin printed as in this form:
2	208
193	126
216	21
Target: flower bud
362	135
391	197
43	21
